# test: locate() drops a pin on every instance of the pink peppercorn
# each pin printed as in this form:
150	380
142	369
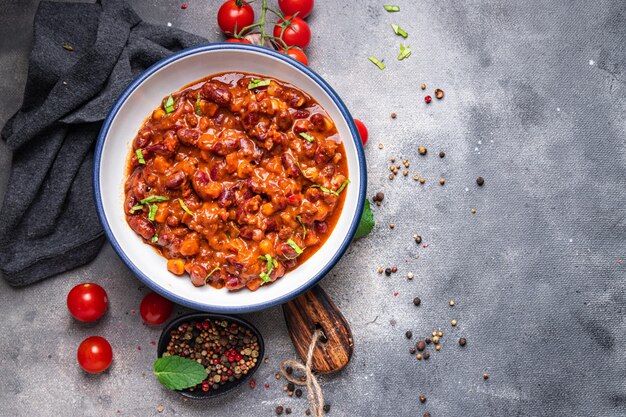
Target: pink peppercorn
183	6
428	99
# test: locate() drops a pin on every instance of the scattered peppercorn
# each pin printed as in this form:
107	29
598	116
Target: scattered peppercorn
462	341
423	86
428	99
410	275
426	414
442	154
380	270
473	211
394	269
422	180
451	303
412	350
438	347
277	375
291	386
439	93
408	334
417	301
418	239
405	172
480	181
183	6
279	410
326	408
393	115
440	333
391	176
426	355
435	338
380	146
287	410
442	181
485	376
416	177
422	150
307	412
379	196
388	271
428	340
421	345
391	225
422	398
453	322
419	356
298	392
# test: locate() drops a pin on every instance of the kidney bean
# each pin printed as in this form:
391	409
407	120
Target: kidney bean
317	120
271	225
284	120
165	239
226	198
204	187
290	166
149	176
250	119
188	136
299	128
226	146
324	153
142	226
320	227
300	114
217	93
198	275
233	283
155	149
278	272
294	98
172	221
294	199
140	142
175	179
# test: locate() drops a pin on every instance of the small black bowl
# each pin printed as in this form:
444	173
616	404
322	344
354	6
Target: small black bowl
199	394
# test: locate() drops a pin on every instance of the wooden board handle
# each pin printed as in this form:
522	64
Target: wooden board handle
311	310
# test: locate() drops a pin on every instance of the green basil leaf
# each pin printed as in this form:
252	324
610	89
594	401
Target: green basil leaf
135	208
399	31
168	105
184	206
367	222
178	373
378	63
154	199
153	211
391	8
308	137
295	246
140	156
258	83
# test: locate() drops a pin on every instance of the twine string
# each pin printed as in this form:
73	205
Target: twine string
316	398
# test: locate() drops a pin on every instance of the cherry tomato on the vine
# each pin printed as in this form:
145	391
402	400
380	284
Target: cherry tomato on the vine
87	302
234	15
291	7
95	354
297	33
155	309
362	130
297	54
238	40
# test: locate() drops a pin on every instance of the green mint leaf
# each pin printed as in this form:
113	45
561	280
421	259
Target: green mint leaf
198	108
295	246
140	156
405	52
168	105
309	138
184	207
399	31
135	208
367	222
376	62
153	211
178	373
391	8
154	199
258	83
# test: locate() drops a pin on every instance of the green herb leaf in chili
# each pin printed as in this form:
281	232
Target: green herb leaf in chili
155	238
303	226
184	207
405	52
258	83
154	199
271	264
308	137
198	108
217	268
328	191
135	208
295	246
391	8
168	105
376	62
140	157
340	189
177	373
399	31
153	211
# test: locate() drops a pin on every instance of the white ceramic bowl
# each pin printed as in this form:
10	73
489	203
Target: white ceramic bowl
115	142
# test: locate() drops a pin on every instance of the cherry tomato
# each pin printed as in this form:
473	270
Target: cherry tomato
291	7
234	14
297	33
362	130
238	40
297	54
155	309
95	354
87	302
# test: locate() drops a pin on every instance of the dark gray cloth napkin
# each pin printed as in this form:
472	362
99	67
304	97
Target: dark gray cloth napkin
83	57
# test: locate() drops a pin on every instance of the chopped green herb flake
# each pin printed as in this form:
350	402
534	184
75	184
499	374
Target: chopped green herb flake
135	208
258	83
178	373
399	31
154	199
295	246
140	156
303	226
378	63
184	206
154	238
326	190
168	105
391	8
153	211
217	268
198	108
405	52
271	264
308	137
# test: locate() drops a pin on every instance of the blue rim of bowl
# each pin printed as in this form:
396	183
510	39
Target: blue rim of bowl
210	307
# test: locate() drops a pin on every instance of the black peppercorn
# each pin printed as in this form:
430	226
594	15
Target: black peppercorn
428	340
418	239
422	398
426	414
279	410
409	334
426	355
326	408
287	410
412	350
417	301
298	393
442	154
388	271
291	386
421	345
480	181
462	341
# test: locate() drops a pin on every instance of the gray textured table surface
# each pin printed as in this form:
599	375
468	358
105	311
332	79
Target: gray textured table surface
534	103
